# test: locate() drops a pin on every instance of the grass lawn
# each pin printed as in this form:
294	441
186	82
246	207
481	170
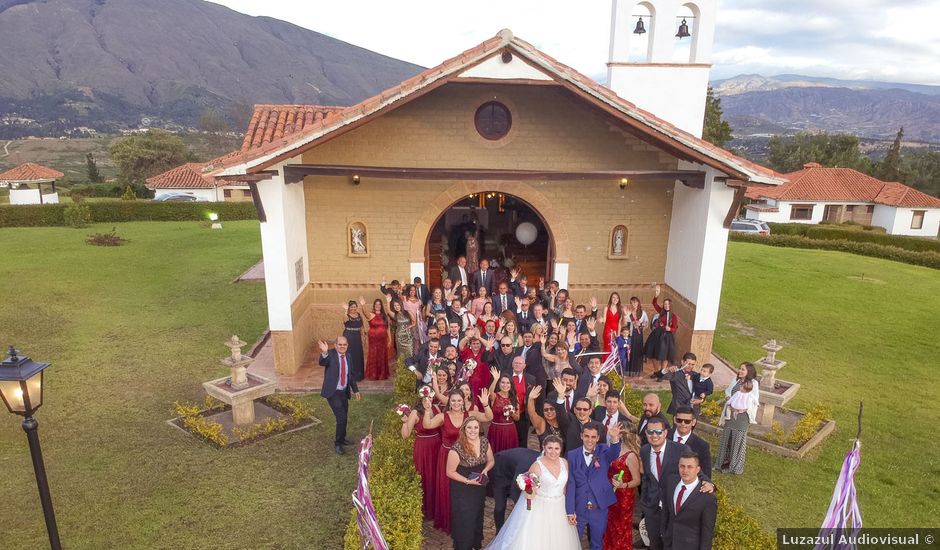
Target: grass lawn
853	328
130	330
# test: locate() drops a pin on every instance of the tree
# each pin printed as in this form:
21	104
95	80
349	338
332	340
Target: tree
715	129
788	154
142	156
94	176
889	169
921	170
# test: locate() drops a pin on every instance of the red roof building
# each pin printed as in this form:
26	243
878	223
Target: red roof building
30	172
817	193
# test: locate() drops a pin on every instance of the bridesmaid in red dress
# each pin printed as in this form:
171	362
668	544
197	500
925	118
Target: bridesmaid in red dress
612	321
619	533
379	340
502	432
449	423
425	454
471	347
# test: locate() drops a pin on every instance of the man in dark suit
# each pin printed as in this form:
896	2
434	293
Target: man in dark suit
531	352
578	419
458	273
652	408
564	391
681	382
503	300
422	289
524	316
682	433
589	492
518	284
393	290
484	277
587	345
608	414
589	376
338	386
542	317
581	316
454	334
688	514
509	464
500	355
420	364
660	459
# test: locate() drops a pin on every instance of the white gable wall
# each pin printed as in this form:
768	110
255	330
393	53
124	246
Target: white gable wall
902	217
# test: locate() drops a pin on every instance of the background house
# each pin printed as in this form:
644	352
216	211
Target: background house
25	183
195	178
816	193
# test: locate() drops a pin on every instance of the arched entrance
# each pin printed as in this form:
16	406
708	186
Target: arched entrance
486	224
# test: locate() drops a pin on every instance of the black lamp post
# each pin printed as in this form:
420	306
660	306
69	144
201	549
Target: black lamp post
21	391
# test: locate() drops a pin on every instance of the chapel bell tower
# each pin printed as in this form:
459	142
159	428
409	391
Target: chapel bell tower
660	56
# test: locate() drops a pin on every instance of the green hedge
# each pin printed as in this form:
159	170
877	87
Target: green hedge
925	258
832	232
36	215
396	490
393	481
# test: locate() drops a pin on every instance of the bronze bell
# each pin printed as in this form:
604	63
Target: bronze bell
640	29
683	30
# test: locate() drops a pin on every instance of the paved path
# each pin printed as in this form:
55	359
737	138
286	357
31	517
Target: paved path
255	273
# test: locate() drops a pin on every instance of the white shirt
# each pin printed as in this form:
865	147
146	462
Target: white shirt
685	496
662	459
463	275
589	458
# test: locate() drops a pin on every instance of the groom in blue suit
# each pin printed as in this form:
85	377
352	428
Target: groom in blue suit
589	491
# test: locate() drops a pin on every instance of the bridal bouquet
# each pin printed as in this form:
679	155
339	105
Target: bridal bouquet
425	391
467	371
528	483
508	411
402	410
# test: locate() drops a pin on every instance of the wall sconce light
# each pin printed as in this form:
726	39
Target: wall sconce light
355	179
623	183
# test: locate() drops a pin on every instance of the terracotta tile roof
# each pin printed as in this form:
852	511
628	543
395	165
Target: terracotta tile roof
761	207
278	148
817	183
187	176
273	122
30	171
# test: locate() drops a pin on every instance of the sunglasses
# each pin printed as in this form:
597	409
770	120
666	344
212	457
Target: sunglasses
651	431
505	345
548	410
683	420
584	409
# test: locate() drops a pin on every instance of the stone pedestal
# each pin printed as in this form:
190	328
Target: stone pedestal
243	412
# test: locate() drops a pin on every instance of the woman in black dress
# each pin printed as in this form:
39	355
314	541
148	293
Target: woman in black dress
548	422
468	463
352	330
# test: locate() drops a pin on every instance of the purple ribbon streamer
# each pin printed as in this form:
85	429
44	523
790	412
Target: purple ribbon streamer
844	513
369	531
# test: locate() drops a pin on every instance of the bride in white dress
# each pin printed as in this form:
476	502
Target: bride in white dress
546	524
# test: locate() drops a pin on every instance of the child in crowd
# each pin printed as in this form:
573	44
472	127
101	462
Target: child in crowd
702	387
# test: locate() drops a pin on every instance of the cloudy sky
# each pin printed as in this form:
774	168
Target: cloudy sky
893	40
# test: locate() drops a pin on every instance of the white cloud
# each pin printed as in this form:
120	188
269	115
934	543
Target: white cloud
871	39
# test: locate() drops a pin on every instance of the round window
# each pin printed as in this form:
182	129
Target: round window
493	120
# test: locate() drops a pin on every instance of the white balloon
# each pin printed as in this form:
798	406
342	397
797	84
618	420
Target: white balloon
526	233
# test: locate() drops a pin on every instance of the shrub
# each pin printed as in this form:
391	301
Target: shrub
925	258
193	421
857	233
77	196
36	215
77	215
106	239
128	194
776	434
806	427
298	411
711	409
735	530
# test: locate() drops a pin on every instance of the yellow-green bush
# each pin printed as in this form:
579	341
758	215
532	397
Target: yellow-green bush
735	530
393	481
806	427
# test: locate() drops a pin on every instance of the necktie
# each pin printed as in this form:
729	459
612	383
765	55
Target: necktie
342	370
659	464
504	301
679	500
567	403
680	440
519	378
607	422
523	315
525	350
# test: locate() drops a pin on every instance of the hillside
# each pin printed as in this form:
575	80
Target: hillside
756	106
108	65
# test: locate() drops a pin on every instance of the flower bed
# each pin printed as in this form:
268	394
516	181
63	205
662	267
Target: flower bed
287	415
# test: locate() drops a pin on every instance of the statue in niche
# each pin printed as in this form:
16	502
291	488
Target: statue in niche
619	236
358	238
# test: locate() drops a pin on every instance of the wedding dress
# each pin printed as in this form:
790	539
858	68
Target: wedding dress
546	524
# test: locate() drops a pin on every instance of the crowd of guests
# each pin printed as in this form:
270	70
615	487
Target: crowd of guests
506	361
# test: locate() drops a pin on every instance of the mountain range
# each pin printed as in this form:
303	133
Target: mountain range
757	106
73	67
108	64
